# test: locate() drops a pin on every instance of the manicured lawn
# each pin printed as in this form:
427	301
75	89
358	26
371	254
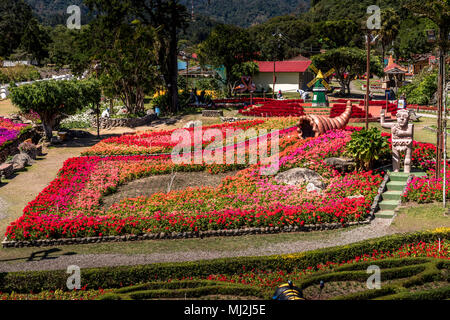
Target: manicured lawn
419	217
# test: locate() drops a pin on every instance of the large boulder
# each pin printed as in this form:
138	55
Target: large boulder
20	161
341	164
299	176
6	170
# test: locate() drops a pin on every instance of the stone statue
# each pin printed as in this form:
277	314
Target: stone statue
402	138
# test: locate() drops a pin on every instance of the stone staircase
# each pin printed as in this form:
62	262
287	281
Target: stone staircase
392	196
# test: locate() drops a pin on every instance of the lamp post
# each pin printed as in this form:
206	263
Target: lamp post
274	60
441	104
439	134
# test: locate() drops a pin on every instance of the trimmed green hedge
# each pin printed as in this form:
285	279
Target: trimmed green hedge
182	289
115	277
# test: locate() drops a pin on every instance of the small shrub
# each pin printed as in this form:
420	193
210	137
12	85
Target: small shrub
366	147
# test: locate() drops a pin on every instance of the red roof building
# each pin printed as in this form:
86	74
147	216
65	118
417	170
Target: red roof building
284	66
290	75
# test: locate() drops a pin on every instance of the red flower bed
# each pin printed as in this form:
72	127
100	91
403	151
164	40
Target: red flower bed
275	108
338	109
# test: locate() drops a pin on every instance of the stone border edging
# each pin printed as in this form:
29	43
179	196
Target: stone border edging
179	235
377	199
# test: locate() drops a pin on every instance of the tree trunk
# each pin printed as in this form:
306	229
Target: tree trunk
48	131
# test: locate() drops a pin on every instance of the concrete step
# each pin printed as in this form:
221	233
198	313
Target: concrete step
389	204
385	214
392	195
398	176
395	185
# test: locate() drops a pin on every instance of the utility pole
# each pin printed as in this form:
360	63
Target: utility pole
444	101
369	41
366	101
274	60
439	115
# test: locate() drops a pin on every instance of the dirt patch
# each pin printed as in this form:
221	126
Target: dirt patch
6	108
154	184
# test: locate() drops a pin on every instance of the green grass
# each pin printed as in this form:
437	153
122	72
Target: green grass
420	134
424	216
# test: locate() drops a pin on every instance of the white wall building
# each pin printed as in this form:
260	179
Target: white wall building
289	75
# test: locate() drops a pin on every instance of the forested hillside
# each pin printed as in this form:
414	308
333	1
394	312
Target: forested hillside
246	12
53	12
238	12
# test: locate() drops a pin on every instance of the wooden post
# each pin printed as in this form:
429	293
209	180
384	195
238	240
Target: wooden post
273	88
98	121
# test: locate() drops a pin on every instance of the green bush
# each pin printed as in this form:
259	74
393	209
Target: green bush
19	73
422	88
51	99
162	101
367	146
212	84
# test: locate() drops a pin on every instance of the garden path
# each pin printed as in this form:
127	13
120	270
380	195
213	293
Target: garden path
378	228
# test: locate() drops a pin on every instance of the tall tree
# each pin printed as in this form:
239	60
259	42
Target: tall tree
125	50
15	15
437	11
53	100
227	46
348	63
35	40
168	17
390	25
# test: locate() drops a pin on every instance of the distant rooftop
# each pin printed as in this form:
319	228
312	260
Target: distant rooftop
284	66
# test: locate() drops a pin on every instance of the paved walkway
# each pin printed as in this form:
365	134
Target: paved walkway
378	228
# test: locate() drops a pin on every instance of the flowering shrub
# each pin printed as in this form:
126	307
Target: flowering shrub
275	108
356	112
58	294
427	189
157	142
10	130
273	278
79	120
